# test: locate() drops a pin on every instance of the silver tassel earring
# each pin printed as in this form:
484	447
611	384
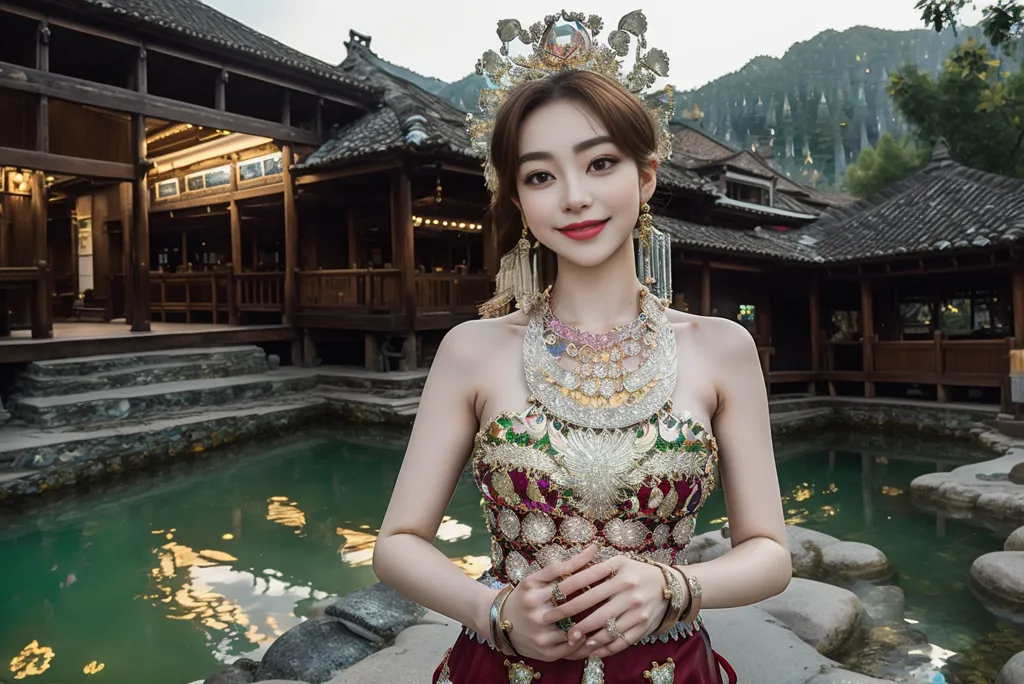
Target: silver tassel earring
654	256
516	279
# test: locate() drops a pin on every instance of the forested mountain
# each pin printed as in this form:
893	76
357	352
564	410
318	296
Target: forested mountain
811	111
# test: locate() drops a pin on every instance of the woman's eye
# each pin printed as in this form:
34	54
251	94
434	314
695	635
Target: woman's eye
538	177
602	163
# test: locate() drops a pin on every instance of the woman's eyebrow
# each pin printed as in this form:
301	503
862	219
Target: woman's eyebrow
577	148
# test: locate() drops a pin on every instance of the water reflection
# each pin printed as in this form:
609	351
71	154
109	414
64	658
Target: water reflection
33	660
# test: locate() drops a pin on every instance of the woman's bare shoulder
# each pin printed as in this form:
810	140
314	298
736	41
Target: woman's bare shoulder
712	333
484	337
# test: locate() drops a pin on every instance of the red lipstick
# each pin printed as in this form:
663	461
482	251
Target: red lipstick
584	230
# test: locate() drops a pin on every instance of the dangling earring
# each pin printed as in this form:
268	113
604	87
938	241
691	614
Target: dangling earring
654	256
516	279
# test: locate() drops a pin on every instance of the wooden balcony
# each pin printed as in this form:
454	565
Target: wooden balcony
30	285
189	294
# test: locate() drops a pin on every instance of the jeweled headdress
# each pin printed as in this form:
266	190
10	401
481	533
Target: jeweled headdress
567	41
562	42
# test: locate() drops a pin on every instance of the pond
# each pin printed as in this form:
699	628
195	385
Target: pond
163	578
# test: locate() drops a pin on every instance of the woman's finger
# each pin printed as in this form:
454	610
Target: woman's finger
591	575
584	601
555	570
617	644
621	604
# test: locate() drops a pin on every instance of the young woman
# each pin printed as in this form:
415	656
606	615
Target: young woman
588	423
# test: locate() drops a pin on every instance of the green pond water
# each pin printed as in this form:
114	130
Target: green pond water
164	578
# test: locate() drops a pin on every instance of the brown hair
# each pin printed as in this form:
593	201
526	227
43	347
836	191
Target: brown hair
627	119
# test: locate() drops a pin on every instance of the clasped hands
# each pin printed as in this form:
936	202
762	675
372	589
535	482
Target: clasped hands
631	594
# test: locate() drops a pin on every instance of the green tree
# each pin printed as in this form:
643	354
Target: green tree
975	105
1002	22
879	167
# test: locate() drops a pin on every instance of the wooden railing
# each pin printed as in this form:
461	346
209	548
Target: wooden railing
262	292
451	293
32	283
189	293
351	289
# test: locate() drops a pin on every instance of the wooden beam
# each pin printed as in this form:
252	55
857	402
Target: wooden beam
236	237
291	235
815	324
71	166
867	324
705	289
286	108
139	245
314	176
77	90
221	199
42	314
330	89
402	240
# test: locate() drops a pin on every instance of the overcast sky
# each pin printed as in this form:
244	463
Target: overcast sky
704	38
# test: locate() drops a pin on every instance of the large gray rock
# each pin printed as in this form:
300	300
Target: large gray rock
822	615
242	671
377	613
1015	542
805	548
999	578
4	415
706	547
851	561
313	651
984	489
412	659
1013	671
884	605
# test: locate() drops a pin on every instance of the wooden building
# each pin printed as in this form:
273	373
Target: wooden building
163	163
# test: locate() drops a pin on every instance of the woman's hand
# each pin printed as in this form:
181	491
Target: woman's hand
528	608
632	593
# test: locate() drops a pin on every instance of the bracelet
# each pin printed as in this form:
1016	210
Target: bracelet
674	592
696	596
505	626
495	614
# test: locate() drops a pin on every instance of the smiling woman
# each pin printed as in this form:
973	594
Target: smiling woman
592	491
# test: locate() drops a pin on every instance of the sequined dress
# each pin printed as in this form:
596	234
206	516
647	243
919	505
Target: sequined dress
551	487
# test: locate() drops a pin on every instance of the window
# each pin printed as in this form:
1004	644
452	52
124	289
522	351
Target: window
269	165
746	314
210	178
916	316
744	193
955	316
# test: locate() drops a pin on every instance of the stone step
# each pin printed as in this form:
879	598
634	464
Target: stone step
804	416
238	361
394	384
106	406
33	460
90	365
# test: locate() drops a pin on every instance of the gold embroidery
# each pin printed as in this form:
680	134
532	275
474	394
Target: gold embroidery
508	523
625	534
593	673
502	484
660	536
444	676
661	674
516	566
656	497
533	491
683	531
520	673
577	530
668	504
552	553
538	528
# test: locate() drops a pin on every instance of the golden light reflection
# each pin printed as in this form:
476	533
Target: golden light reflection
358	547
473	566
802	492
33	660
719	521
452	530
828	510
832	489
227	537
285	512
93	668
892	491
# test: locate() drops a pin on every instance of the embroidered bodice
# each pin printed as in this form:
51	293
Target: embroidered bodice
550	489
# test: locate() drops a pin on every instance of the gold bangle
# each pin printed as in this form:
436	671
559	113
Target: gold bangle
674	592
696	596
494	615
505	626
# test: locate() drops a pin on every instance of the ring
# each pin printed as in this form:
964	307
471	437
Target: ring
609	626
565	624
556	593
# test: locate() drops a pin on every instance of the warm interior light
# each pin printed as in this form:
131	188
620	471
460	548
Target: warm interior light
50	179
19	177
23	187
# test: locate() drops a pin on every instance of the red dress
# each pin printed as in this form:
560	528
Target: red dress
551	489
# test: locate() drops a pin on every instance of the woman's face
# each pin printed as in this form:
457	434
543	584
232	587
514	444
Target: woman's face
580	193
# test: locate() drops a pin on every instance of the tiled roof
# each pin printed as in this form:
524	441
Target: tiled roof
196	21
756	242
409	117
945	206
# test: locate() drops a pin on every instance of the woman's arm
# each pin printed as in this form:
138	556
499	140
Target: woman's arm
759	565
441	443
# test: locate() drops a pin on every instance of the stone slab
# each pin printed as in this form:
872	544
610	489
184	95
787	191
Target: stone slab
412	660
93	364
377	613
824	616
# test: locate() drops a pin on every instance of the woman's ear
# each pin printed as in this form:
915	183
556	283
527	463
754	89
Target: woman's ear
648	180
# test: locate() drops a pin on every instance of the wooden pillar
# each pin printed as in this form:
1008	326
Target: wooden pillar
43	103
42	316
815	329
1018	305
291	235
353	253
402	245
318	124
235	213
220	90
286	109
867	323
139	244
125	192
705	289
940	366
492	257
5	231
